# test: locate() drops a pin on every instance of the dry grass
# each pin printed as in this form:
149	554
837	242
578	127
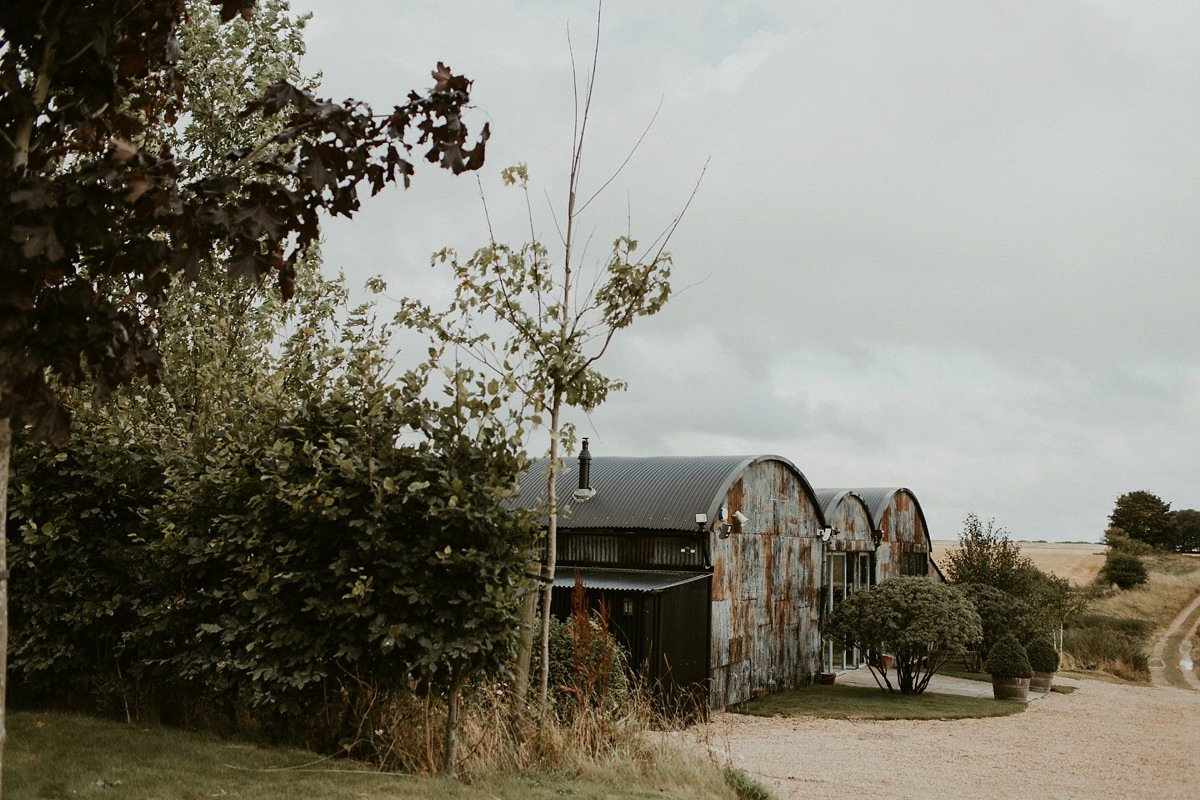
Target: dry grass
66	755
1117	629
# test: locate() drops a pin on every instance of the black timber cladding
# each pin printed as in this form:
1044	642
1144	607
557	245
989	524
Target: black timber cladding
652	493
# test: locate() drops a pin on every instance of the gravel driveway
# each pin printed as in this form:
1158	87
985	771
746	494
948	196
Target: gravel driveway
1102	741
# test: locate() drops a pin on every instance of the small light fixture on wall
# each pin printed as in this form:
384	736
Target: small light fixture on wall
877	537
826	534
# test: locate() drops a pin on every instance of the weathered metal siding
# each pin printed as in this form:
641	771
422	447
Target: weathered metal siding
904	531
765	613
851	523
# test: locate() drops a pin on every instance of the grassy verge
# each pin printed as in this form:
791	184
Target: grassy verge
1116	631
50	755
862	702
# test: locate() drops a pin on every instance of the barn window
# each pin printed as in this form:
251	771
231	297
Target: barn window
914	564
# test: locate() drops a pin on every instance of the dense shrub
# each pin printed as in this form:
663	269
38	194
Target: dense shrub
1116	644
1042	655
279	573
1123	569
1007	659
1000	613
588	666
1116	539
920	623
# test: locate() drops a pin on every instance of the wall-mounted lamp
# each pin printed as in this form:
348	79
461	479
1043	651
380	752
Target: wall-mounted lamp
877	537
701	521
723	529
826	534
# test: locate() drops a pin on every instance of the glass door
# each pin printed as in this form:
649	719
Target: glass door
845	573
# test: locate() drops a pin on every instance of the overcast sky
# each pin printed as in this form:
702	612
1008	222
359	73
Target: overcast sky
950	246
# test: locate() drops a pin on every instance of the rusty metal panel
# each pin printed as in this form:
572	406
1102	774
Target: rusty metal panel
851	522
765	606
898	514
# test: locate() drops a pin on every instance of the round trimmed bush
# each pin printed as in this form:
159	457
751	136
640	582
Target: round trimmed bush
1042	655
1008	659
1124	569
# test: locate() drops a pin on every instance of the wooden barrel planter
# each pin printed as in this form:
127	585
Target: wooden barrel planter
1041	682
1010	688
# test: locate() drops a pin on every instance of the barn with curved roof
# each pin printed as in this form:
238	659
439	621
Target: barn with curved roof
905	545
851	563
709	566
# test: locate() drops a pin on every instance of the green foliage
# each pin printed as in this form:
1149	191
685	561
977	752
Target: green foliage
1000	614
98	216
986	555
921	624
77	515
1117	539
1187	526
1123	569
744	786
1007	659
1043	657
588	667
303	553
1146	518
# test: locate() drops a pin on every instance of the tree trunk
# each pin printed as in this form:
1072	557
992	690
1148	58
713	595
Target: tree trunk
525	653
452	702
5	454
551	552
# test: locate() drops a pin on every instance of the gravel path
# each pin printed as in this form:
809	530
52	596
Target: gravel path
1102	741
1159	657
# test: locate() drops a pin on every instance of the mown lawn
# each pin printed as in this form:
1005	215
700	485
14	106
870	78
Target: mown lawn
862	702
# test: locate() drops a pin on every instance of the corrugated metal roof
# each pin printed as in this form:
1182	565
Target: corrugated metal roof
878	498
652	493
830	499
628	580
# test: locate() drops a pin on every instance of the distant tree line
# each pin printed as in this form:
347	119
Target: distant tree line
1144	518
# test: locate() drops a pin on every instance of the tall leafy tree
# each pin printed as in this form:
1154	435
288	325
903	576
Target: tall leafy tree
1187	525
557	318
1145	517
97	216
986	555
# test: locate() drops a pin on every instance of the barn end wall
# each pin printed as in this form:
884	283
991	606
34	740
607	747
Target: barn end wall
765	607
904	531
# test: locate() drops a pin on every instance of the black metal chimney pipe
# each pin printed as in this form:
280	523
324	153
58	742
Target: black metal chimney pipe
585	468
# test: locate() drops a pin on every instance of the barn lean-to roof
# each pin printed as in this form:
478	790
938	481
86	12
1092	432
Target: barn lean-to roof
647	493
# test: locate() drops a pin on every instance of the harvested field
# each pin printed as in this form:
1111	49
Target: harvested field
1075	561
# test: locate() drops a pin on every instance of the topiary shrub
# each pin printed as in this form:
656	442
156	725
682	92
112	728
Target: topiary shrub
1123	569
1008	659
921	624
1042	655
